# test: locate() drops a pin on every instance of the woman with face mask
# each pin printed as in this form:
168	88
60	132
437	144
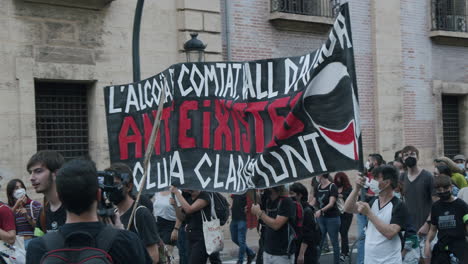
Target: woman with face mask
26	211
190	210
456	176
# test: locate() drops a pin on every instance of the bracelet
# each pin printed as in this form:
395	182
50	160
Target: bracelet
176	228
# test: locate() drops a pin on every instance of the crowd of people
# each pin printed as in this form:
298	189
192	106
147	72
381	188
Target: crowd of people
404	214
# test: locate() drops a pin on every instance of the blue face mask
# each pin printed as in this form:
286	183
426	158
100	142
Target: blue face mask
397	195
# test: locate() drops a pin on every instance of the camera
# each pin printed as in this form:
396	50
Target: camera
108	186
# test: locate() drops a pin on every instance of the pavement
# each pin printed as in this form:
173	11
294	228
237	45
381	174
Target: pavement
229	253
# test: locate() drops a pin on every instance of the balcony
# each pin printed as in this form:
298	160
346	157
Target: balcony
303	15
449	22
86	4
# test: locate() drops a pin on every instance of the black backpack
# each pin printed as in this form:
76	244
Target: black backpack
221	206
317	232
79	247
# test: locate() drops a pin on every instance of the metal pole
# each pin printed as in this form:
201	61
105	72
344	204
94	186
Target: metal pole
136	41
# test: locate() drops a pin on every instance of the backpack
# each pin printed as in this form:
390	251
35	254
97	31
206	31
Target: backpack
317	238
221	207
294	226
79	247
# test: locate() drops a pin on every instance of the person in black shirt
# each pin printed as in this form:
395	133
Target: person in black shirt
190	212
307	246
328	214
449	219
43	167
143	223
344	190
77	188
278	218
238	227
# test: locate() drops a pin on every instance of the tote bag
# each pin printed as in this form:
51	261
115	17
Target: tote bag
212	231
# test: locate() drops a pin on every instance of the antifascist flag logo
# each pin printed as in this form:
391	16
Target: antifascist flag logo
331	105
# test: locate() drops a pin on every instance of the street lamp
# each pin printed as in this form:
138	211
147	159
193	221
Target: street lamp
194	49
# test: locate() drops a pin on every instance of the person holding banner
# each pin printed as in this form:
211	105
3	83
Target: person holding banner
190	212
278	218
143	223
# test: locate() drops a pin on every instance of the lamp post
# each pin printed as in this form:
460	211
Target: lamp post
136	41
194	49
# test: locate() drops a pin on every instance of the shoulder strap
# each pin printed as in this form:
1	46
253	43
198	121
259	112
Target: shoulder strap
134	218
279	203
106	237
42	218
53	240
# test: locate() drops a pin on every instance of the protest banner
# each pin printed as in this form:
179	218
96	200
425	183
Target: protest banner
233	126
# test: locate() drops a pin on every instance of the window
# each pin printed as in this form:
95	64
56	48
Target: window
323	8
451	128
62	118
449	15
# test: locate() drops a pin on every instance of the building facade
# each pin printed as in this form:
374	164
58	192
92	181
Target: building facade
57	55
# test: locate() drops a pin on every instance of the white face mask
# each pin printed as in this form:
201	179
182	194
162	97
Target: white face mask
374	186
367	165
19	193
461	166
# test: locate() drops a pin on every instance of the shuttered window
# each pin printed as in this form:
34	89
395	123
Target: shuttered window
450	118
62	118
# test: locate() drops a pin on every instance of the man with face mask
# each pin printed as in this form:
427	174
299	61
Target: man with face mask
386	213
418	190
144	223
460	161
449	219
373	161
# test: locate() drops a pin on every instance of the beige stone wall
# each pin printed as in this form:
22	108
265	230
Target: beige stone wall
41	41
388	77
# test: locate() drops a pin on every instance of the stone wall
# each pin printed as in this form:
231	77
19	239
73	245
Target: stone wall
41	40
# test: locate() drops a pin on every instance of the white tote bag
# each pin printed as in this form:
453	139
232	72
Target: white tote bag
212	231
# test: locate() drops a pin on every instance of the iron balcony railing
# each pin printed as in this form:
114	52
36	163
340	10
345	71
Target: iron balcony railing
449	15
322	8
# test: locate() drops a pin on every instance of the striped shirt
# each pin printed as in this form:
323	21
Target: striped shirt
23	228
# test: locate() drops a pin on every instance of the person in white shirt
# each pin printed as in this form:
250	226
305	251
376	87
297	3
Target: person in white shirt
386	213
166	220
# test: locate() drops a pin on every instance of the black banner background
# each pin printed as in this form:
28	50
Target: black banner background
230	126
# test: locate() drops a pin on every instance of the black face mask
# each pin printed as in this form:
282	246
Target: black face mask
410	162
444	196
294	198
117	196
339	184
